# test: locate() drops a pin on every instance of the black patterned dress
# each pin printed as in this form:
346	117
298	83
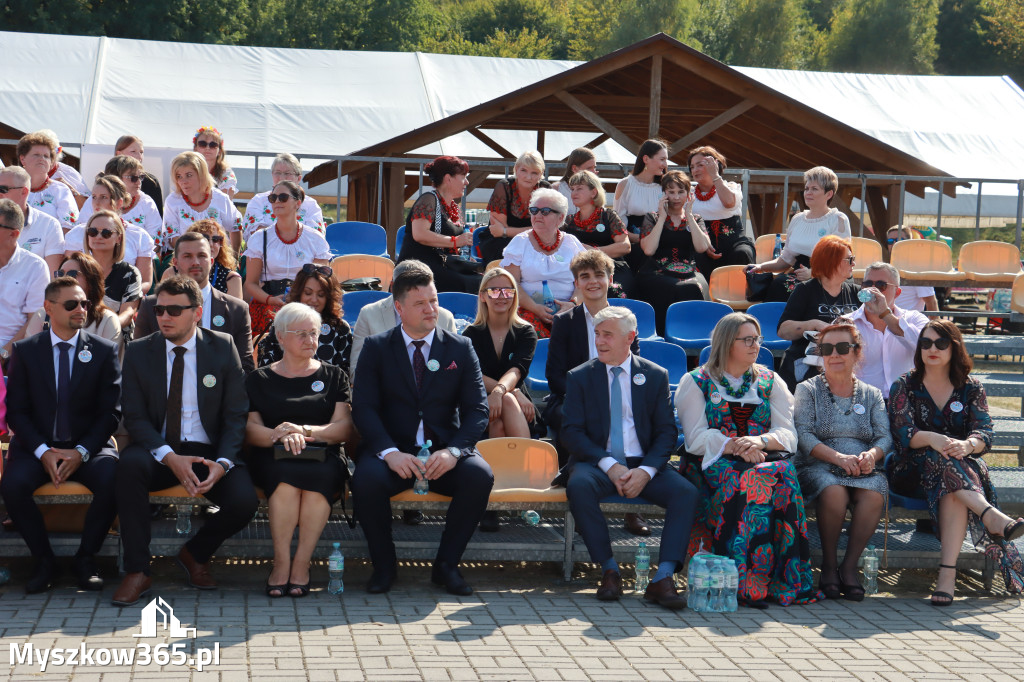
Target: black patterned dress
671	274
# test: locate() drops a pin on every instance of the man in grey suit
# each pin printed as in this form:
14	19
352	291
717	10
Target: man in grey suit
221	312
185	408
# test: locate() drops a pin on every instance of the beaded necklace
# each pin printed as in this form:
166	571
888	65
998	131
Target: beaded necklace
452	210
704	196
206	198
748	378
832	397
545	248
294	239
132	205
41	187
590	223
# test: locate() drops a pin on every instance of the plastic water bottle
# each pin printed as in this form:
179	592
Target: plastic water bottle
871	571
466	251
717	591
422	485
530	517
778	246
732	586
336	569
697	584
549	298
864	296
643	567
183	523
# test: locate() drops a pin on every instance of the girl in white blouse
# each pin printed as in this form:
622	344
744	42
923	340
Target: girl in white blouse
194	198
139	210
36	153
638	194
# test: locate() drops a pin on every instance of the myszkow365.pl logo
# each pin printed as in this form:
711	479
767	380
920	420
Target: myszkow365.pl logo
156	614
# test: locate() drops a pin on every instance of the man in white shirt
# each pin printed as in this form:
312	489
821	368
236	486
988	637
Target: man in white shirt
42	233
620	432
890	333
23	279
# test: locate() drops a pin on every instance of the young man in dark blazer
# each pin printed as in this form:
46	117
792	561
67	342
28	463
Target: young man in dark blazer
416	383
185	410
620	432
221	312
63	405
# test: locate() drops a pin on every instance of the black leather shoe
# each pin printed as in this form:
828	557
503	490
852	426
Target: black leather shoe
87	574
451	579
412	517
43	577
380	582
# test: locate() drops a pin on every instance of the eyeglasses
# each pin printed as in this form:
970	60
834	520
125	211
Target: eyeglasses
310	334
750	341
73	304
105	233
172	310
67	273
843	348
878	284
133	178
4	189
311	268
500	292
214	238
851	259
283	196
203	144
546	211
941	343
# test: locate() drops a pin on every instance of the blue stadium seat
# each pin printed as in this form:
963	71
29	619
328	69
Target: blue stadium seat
764	356
536	379
476	242
644	313
355	237
897	500
768	315
689	323
353	301
461	305
398	241
667	355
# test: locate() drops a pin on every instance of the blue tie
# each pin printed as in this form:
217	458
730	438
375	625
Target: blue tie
62	423
615	440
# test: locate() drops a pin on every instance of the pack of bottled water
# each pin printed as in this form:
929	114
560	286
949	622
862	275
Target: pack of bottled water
712	583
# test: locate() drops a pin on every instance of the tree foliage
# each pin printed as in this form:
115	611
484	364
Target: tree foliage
772	33
881	36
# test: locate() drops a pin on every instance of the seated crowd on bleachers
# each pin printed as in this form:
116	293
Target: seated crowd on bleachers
223	377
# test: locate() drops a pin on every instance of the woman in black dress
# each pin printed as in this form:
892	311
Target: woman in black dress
599	227
509	205
299	415
104	241
317	287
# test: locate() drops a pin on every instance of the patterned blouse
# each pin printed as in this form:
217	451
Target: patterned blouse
335	346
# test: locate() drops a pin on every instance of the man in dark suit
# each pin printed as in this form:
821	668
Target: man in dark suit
620	432
185	410
221	312
416	383
63	405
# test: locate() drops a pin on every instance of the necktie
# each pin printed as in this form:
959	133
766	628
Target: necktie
173	430
615	440
419	365
62	423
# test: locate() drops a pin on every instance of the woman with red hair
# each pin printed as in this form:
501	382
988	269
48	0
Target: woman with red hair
814	304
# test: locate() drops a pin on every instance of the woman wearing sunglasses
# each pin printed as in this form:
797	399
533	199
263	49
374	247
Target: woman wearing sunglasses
940	421
104	241
599	227
274	255
844	437
130	145
210	144
195	197
223	276
737	417
317	287
139	210
259	213
100	320
814	304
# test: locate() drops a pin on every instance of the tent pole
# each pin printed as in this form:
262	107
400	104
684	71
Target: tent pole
977	215
785	203
863	202
1020	209
380	190
903	195
938	211
746	191
337	208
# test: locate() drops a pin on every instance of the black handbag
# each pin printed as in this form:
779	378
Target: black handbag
316	452
758	284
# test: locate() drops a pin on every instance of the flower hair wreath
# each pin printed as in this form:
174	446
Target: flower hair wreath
206	129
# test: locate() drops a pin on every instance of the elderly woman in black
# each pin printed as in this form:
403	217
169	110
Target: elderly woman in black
599	227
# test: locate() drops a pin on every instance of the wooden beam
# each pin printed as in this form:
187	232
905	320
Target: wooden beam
476	178
878	211
502	152
540	143
654	115
714	124
394	203
842	202
598	122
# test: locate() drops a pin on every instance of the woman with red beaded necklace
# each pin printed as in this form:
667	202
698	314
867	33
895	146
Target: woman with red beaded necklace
599	227
434	229
36	153
720	204
195	197
510	203
275	254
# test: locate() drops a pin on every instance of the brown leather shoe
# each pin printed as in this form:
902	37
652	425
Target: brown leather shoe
132	588
197	575
636	525
611	586
664	593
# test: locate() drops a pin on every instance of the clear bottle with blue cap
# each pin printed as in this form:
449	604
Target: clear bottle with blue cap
422	486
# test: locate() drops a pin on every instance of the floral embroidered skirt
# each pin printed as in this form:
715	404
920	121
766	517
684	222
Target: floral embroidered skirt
543	330
755	515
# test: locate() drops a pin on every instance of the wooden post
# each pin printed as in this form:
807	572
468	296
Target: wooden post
654	113
394	201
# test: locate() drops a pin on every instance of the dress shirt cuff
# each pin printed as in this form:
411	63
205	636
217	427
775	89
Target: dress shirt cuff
651	471
161	452
384	453
228	464
606	463
41	450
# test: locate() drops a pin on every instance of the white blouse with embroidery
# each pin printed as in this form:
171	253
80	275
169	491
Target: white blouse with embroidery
283	261
179	216
56	200
258	215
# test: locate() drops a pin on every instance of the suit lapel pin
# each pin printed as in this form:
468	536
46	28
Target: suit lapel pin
84	355
218	320
433	365
956	406
639	379
209	381
325	329
318	386
600	227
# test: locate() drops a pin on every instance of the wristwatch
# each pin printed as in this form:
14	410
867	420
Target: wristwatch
4	354
455	452
306	431
764	442
83	452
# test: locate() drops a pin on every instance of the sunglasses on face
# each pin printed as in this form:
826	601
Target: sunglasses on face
105	233
214	238
283	196
750	341
73	304
851	259
172	310
843	348
10	227
546	211
941	343
500	292
133	178
203	144
310	268
4	189
878	284
67	273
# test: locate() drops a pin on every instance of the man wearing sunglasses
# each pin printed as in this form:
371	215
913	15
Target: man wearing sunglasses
42	233
890	333
221	312
23	276
64	404
185	408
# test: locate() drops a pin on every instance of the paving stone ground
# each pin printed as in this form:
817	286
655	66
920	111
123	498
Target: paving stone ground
521	624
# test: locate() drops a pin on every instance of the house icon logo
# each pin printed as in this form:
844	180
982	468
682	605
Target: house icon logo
159	611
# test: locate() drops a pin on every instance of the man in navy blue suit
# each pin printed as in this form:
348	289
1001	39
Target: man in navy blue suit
619	430
416	383
63	405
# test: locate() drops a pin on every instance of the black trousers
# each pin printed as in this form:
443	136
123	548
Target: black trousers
138	473
23	475
468	483
661	291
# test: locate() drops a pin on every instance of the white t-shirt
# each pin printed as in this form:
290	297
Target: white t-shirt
22	283
144	214
42	234
804	233
912	298
258	215
285	260
179	216
56	200
137	242
535	267
637	198
712	209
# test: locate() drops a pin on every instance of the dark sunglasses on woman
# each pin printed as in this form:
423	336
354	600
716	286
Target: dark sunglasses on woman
214	238
105	233
311	268
546	211
203	144
843	348
67	273
133	178
72	304
283	196
500	292
941	343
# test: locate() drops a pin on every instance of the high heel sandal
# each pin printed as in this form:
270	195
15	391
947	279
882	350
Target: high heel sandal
1011	531
944	596
303	590
281	590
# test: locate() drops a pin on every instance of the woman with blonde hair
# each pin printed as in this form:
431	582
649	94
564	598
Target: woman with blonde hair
195	197
510	204
104	241
597	226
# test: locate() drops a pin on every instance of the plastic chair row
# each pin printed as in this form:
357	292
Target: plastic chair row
689	323
981	261
353	237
